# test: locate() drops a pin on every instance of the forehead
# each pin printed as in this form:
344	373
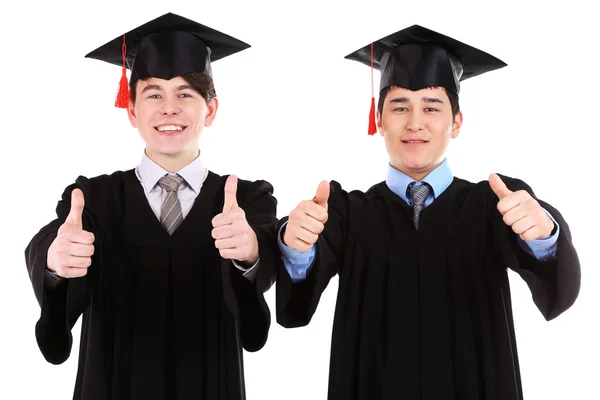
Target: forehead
436	92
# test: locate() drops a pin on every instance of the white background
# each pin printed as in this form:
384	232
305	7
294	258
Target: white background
294	112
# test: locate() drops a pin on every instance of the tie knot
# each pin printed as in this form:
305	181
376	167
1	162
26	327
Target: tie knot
170	183
419	193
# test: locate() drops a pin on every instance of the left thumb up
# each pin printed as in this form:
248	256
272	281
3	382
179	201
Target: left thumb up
499	187
230	193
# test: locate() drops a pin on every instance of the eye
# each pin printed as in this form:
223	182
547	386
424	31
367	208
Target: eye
431	109
400	109
154	96
185	95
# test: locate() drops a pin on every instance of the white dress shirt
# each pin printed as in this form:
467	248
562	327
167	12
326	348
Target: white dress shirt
193	174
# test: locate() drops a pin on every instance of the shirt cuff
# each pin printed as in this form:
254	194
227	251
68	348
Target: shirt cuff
294	256
297	263
545	243
249	273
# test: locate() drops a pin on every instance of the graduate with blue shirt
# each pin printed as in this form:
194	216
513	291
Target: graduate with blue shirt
423	307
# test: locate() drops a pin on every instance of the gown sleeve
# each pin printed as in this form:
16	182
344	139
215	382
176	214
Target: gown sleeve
555	283
61	300
244	297
296	302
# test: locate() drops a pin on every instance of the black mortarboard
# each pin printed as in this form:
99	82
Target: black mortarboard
416	58
166	47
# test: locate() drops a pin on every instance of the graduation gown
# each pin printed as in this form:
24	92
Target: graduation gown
164	317
425	314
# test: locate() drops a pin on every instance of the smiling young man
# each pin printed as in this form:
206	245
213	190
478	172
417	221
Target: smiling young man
423	308
167	262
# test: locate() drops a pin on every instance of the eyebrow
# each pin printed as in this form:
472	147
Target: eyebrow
158	87
423	99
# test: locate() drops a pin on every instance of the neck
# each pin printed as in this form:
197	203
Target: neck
173	163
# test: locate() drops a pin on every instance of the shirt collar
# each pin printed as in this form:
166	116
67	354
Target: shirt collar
439	179
193	174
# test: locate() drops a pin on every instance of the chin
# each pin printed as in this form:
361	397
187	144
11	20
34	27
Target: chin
172	153
166	151
415	165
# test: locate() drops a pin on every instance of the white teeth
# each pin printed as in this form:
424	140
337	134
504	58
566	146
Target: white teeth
169	128
414	141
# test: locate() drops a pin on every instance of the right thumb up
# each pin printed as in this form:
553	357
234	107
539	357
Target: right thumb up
322	194
75	215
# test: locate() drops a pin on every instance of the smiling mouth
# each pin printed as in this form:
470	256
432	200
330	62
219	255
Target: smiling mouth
170	129
415	141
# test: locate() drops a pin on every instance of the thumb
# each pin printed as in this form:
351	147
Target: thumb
77	204
322	194
230	193
499	187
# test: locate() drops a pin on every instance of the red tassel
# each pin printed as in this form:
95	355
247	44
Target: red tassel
123	94
372	125
122	100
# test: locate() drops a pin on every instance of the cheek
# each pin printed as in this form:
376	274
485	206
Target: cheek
391	127
439	128
144	114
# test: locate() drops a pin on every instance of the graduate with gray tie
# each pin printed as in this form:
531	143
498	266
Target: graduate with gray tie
165	263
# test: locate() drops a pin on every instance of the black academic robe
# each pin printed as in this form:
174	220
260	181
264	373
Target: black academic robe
425	314
164	317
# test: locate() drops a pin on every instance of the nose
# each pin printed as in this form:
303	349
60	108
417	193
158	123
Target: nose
170	107
415	121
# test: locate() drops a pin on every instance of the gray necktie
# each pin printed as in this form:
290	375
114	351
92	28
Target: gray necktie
419	195
170	211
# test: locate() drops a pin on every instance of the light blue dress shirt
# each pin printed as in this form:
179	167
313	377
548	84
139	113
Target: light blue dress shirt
298	263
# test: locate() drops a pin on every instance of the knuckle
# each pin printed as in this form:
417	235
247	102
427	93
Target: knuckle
62	257
314	238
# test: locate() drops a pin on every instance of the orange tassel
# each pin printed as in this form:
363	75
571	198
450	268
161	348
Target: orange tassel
372	125
122	100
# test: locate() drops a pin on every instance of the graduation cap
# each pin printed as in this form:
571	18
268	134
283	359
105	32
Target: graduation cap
416	58
165	47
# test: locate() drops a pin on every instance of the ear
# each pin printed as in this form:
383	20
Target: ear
378	118
131	114
211	113
456	125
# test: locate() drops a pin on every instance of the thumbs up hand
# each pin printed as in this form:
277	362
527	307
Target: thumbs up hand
233	236
70	254
307	221
521	211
